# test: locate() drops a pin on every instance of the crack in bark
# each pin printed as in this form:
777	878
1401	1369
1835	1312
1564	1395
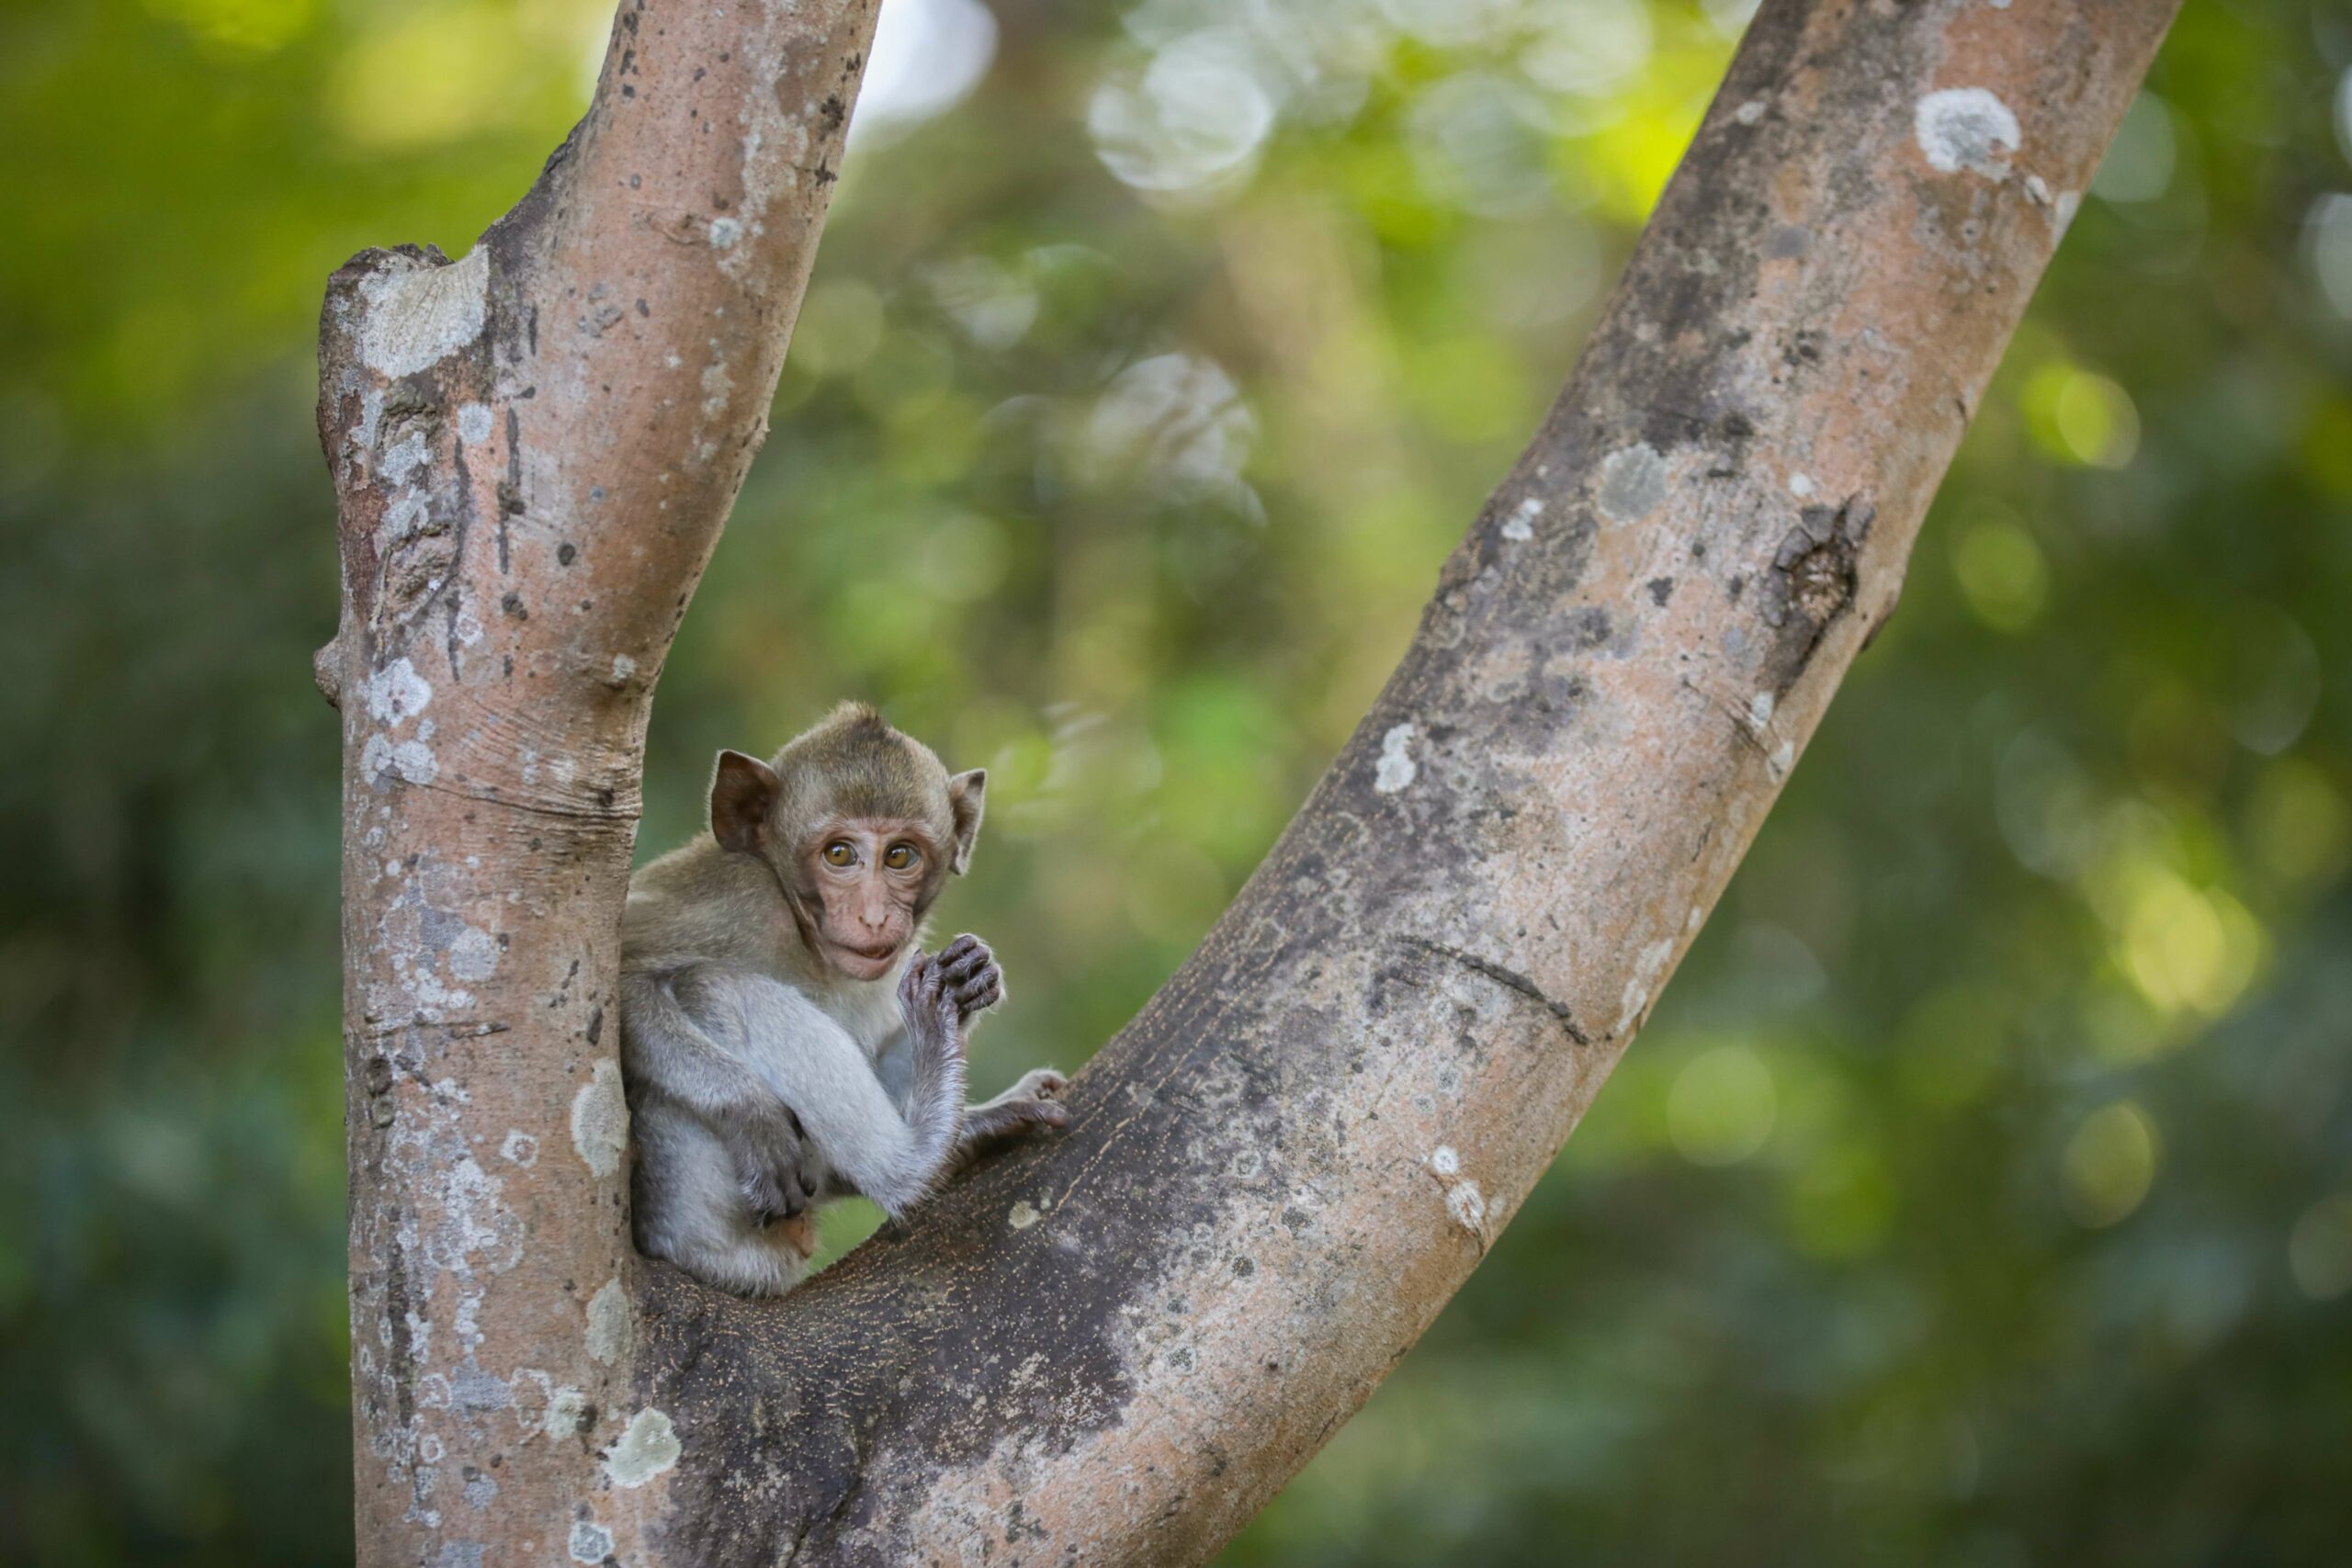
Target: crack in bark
1510	979
1742	724
457	1028
483	794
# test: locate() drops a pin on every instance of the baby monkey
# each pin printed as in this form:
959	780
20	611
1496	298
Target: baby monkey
782	1041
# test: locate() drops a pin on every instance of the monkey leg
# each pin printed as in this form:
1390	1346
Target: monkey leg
690	1208
1028	1105
813	1065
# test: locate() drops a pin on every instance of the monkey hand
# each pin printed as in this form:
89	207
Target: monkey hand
931	1004
768	1167
972	976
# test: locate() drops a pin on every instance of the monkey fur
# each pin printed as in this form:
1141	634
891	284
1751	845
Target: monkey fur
782	1039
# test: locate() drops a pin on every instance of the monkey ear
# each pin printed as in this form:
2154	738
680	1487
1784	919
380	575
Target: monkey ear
967	794
743	791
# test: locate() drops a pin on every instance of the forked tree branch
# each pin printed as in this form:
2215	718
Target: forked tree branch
1117	1347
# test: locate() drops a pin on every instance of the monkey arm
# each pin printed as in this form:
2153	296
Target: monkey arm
671	1027
892	1155
1028	1105
894	1067
671	1023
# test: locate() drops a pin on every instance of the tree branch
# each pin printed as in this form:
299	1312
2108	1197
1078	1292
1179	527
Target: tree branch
533	448
1115	1347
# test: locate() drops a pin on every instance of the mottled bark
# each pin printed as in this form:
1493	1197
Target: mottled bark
533	448
1116	1346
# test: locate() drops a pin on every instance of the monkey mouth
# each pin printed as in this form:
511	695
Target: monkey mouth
881	953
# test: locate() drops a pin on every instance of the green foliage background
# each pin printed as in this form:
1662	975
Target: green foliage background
1982	1192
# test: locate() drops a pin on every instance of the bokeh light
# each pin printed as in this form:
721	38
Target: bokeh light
1975	1195
2110	1164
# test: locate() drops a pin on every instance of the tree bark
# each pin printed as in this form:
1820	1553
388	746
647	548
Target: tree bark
1116	1346
533	448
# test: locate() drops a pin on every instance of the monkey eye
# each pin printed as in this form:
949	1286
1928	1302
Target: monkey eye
899	857
839	852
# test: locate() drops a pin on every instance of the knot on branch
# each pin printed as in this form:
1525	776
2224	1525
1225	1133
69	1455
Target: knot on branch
405	373
1813	581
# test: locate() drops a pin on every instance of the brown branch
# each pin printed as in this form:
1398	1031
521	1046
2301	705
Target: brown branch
1114	1348
533	448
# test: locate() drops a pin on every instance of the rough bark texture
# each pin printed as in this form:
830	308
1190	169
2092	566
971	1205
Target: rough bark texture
1115	1347
533	448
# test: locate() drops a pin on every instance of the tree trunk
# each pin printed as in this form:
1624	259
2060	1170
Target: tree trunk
1116	1346
533	448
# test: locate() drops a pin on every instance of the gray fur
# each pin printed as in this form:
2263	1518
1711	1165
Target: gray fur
761	1077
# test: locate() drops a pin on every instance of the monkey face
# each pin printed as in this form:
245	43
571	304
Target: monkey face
872	879
861	825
